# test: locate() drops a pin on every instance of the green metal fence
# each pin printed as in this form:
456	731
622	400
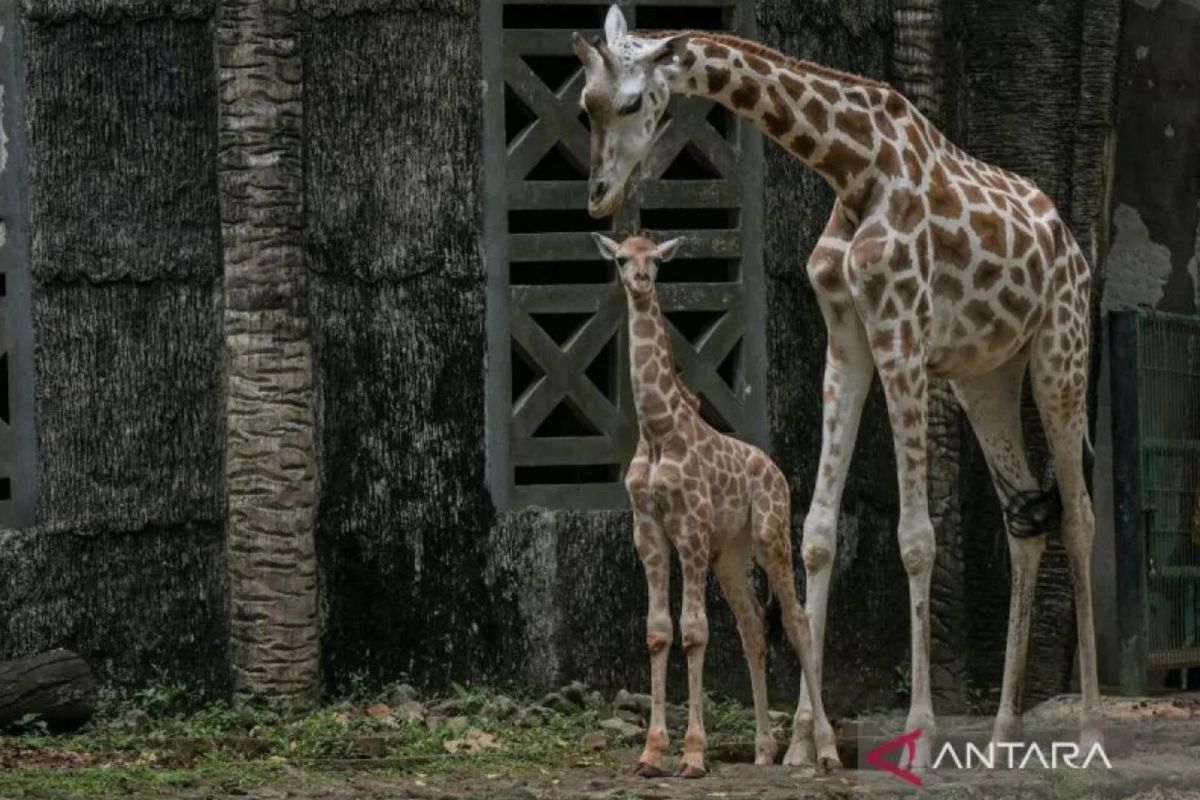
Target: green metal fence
1156	450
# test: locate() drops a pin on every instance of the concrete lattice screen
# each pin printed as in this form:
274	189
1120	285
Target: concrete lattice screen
260	308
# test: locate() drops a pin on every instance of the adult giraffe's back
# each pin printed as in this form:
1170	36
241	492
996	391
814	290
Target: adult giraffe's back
932	263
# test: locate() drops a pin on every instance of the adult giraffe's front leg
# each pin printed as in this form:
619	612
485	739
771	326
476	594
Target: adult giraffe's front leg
848	373
906	388
897	324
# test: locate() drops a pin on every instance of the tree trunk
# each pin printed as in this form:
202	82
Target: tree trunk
57	687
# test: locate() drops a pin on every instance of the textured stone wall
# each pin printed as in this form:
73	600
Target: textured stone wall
269	399
259	308
125	563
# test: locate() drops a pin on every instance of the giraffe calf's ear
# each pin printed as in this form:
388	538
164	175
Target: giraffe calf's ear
666	251
607	247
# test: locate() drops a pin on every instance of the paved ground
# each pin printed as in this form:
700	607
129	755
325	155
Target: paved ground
1147	776
1153	746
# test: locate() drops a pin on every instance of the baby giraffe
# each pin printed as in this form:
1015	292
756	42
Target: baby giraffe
718	501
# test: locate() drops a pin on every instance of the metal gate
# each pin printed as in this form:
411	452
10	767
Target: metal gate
1155	368
561	427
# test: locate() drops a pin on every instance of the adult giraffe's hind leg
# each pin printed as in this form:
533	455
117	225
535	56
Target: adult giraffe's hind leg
993	405
730	569
1059	380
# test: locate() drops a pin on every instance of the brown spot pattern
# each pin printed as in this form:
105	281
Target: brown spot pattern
904	210
826	90
718	78
887	161
746	95
1015	304
857	126
987	274
943	199
816	114
757	64
779	120
951	246
803	146
841	163
990	227
793	87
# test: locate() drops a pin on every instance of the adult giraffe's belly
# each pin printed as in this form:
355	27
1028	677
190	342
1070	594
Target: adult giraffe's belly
982	316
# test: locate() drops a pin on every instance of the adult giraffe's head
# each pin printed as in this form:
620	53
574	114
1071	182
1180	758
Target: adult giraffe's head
624	96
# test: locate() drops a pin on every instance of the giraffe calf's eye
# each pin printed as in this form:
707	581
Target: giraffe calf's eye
631	107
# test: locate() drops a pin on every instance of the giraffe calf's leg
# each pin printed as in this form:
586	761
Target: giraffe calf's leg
692	544
655	554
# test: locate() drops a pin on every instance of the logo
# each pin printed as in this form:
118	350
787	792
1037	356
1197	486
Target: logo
907	741
995	755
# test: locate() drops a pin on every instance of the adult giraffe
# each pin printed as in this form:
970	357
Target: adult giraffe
932	263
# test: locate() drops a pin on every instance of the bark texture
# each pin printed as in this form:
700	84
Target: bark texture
125	564
269	463
393	189
56	687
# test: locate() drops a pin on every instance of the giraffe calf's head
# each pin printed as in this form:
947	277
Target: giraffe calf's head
637	260
624	95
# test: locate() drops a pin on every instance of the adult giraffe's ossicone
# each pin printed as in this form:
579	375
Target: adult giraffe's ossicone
932	263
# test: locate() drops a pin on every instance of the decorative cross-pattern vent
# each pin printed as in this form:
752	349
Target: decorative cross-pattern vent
17	468
561	424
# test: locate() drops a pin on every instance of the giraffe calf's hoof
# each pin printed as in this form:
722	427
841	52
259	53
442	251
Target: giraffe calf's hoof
649	771
690	771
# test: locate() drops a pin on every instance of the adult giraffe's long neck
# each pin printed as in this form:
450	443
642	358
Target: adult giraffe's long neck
845	127
656	396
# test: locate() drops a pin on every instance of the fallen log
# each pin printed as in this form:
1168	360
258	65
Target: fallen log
57	687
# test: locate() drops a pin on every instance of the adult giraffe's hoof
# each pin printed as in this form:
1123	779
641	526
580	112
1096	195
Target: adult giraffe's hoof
828	763
648	771
691	771
1091	736
802	752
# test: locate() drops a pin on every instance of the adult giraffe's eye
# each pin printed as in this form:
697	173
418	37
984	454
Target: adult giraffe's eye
631	107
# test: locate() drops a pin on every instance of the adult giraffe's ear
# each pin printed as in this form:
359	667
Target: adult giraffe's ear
614	24
607	247
666	251
667	51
